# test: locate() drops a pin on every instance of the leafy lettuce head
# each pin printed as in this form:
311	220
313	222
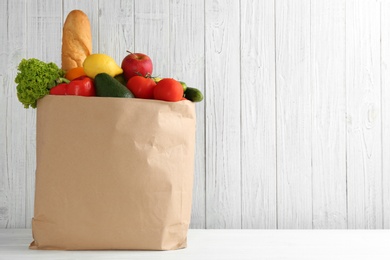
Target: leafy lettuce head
34	79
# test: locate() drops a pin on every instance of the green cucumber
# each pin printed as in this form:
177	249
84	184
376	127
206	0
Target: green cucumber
193	94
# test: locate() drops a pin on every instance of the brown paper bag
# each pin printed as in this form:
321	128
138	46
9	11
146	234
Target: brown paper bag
113	173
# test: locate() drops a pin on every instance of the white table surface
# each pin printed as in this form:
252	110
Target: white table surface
228	244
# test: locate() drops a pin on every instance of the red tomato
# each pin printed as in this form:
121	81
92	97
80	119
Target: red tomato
169	90
141	87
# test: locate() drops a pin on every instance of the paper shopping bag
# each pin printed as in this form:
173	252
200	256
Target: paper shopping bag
113	173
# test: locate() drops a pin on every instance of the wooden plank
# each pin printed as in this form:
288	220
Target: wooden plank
258	124
385	90
151	33
294	100
91	10
328	114
116	28
44	18
3	114
187	64
364	158
222	96
13	180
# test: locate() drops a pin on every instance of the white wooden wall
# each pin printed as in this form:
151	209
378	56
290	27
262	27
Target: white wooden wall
294	131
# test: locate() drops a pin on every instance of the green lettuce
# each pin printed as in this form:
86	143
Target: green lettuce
34	79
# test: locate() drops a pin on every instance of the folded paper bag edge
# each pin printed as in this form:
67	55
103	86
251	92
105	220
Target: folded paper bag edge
33	245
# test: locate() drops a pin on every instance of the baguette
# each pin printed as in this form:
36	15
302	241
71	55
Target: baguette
76	40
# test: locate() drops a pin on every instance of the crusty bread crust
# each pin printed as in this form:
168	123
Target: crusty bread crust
76	40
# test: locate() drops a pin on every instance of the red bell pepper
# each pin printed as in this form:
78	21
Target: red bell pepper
82	86
60	89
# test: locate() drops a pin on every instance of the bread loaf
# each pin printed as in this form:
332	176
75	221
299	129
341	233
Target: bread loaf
76	40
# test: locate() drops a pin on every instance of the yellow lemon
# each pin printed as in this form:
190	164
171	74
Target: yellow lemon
99	63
